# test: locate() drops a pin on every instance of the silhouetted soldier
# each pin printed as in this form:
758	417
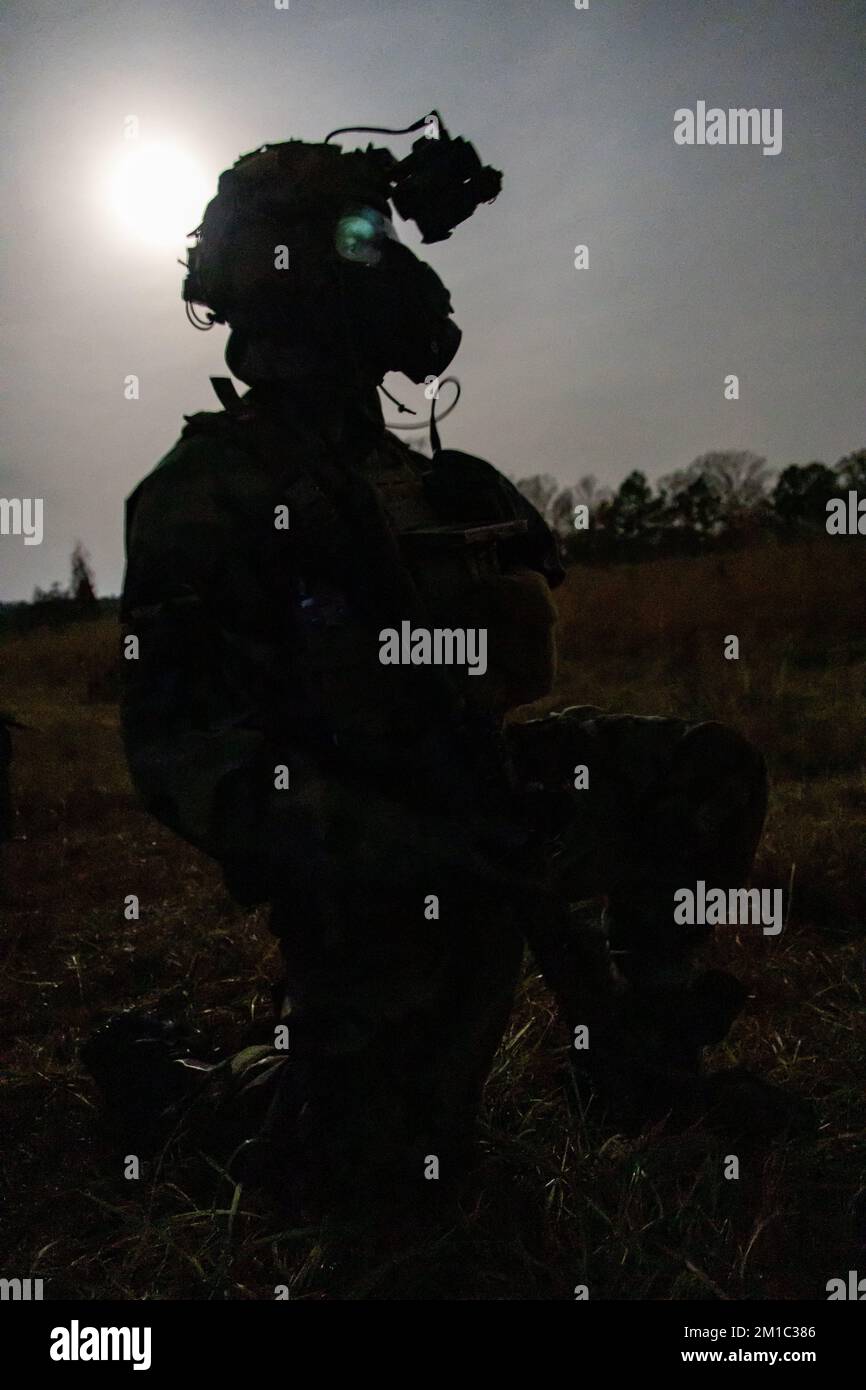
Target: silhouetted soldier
408	841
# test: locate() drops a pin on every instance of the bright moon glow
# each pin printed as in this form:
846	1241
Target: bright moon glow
158	193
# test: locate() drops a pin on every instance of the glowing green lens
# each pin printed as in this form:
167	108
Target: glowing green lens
358	236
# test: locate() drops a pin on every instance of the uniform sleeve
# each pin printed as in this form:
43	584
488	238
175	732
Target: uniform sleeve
192	673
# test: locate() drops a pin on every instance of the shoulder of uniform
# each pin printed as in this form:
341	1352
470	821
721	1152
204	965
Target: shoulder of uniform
219	424
211	453
214	435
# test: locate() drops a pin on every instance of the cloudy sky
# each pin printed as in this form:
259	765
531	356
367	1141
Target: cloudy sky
703	261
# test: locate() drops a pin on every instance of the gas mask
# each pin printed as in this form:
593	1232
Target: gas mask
398	308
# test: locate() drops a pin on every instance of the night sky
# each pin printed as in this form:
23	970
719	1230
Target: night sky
703	261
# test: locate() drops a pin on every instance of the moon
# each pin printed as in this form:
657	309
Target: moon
158	193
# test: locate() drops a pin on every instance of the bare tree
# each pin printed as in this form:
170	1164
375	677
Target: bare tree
740	477
851	470
588	492
540	490
82	589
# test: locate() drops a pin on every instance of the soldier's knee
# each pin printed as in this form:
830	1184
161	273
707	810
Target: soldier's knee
721	766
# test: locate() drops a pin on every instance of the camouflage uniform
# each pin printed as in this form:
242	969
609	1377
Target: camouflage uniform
259	649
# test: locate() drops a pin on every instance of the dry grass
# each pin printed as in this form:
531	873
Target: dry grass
559	1199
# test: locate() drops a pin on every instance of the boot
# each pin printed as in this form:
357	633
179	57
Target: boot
646	1033
145	1067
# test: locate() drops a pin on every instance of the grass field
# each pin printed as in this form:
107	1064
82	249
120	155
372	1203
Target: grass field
560	1198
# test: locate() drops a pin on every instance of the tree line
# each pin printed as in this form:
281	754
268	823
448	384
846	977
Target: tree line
58	605
722	500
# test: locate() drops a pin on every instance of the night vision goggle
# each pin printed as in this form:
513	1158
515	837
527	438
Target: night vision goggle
440	183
